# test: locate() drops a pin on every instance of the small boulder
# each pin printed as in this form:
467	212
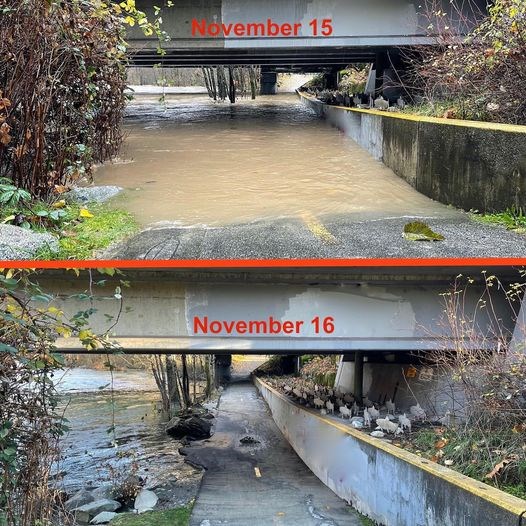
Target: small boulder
105	491
98	506
80	498
92	194
103	517
20	243
194	427
145	501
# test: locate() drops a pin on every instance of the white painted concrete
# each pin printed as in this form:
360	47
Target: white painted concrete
393	487
366	316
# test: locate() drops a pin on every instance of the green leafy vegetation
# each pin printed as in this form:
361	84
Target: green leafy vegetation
176	517
447	109
483	435
80	230
512	218
366	521
495	458
480	76
31	424
353	79
62	83
84	236
320	369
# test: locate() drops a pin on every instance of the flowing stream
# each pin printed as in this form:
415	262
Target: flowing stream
87	450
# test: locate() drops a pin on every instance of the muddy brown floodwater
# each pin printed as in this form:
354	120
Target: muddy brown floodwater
196	162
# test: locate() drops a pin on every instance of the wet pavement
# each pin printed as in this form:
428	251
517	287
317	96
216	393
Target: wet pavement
324	237
262	483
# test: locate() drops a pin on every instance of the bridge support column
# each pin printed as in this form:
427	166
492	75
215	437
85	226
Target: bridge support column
291	364
381	63
222	365
358	375
332	79
350	376
269	82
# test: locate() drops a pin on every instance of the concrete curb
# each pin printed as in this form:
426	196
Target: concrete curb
407	490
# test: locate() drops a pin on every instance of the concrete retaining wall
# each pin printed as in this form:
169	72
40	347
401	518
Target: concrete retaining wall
388	484
467	164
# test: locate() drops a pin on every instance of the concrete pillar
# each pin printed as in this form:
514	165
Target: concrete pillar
358	376
269	82
380	65
332	79
222	366
291	364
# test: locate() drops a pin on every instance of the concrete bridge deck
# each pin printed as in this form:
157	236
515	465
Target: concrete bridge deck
372	311
360	29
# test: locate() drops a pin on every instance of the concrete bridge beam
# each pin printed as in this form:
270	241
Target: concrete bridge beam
222	368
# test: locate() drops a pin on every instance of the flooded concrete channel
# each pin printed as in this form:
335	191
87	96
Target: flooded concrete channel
268	178
215	164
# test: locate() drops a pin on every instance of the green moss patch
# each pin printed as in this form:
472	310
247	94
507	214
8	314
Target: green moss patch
512	218
177	517
88	235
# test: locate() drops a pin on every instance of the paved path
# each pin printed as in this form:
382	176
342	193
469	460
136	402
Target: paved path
337	236
286	493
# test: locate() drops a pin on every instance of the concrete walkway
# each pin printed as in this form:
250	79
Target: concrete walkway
326	237
258	484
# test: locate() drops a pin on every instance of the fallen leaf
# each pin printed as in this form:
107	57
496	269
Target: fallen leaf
440	443
5	138
60	189
519	428
85	213
4	103
495	471
419	231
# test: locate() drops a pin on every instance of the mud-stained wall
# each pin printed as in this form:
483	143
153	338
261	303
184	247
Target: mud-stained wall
391	486
473	166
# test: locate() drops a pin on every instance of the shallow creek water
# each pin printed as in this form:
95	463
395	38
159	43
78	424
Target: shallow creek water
87	450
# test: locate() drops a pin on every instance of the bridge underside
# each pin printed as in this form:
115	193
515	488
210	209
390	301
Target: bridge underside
280	59
360	30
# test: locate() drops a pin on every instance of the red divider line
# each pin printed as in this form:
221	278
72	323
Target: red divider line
264	263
